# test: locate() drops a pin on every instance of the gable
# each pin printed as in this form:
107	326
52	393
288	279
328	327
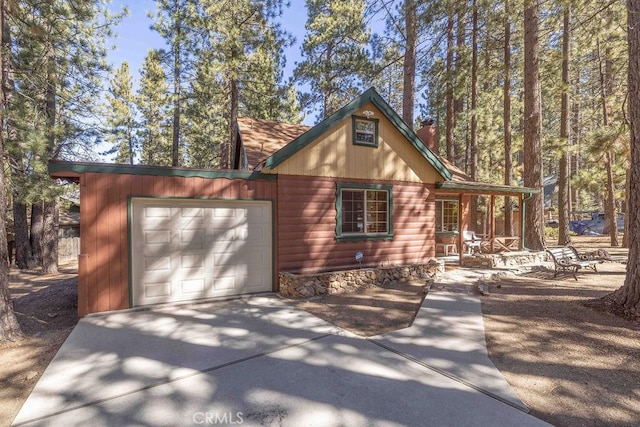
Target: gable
333	154
337	158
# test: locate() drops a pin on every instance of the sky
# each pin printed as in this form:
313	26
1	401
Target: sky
135	38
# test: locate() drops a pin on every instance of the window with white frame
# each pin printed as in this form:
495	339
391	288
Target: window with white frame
446	215
364	211
365	131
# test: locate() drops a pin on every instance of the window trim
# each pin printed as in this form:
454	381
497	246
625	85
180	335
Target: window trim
340	237
448	232
354	119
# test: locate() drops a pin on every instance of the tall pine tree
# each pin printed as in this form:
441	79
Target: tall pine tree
334	53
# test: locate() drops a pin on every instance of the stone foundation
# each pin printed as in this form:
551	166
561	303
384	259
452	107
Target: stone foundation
507	259
309	285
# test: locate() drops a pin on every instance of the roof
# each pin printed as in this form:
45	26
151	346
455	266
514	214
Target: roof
370	95
262	138
72	171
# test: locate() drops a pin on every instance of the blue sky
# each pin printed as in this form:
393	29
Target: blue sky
134	37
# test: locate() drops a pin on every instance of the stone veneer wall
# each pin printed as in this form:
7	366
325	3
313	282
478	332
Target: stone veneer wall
507	259
309	285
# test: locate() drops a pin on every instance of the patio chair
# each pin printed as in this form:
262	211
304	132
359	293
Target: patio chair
471	241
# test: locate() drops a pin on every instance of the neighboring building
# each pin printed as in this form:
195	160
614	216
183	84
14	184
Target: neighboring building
302	200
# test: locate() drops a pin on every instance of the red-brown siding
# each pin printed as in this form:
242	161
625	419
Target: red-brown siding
104	263
307	226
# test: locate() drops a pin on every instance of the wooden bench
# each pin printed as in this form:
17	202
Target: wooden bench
567	258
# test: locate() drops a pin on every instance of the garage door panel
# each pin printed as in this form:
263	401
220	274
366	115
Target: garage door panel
185	250
194	286
157	212
156	290
157	263
192	261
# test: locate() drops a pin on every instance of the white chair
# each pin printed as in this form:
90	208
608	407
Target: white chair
471	241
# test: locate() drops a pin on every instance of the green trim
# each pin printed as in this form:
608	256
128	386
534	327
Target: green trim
353	131
130	246
370	95
364	236
59	167
474	187
274	273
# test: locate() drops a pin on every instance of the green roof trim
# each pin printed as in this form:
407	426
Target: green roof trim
480	187
370	95
58	168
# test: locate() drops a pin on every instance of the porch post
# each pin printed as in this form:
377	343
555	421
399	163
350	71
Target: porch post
521	210
460	230
492	223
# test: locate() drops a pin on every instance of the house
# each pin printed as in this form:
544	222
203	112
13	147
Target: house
300	200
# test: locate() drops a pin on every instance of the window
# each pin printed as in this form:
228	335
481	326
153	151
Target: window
364	212
446	216
365	131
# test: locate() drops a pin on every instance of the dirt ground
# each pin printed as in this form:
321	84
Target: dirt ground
46	308
571	364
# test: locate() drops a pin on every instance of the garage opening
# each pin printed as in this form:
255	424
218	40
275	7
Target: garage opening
186	249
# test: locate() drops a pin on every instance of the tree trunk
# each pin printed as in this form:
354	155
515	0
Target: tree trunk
449	136
508	153
564	238
50	238
610	202
606	83
409	65
21	233
534	223
9	326
177	86
625	236
473	143
234	119
50	206
458	80
628	296
36	232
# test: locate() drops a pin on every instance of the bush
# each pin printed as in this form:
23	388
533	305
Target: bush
551	233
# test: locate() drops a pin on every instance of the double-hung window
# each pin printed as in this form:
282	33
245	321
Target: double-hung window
365	131
446	215
364	212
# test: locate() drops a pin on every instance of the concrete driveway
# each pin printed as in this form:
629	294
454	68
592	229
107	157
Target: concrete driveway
258	361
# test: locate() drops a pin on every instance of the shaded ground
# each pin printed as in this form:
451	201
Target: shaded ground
46	309
572	365
372	311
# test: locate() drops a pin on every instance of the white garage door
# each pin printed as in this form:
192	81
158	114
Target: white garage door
190	249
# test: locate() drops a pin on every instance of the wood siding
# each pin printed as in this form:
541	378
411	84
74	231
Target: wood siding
307	226
103	282
334	155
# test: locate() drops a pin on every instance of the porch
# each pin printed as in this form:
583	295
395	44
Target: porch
474	225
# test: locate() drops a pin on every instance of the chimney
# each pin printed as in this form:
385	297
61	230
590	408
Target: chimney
428	133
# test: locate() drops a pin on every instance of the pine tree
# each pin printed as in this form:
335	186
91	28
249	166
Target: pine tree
9	326
241	57
58	58
335	58
153	103
534	227
628	296
175	21
121	122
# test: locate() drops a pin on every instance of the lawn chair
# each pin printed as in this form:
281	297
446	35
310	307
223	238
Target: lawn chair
471	241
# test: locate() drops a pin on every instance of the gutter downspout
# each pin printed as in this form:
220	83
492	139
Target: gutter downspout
522	221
